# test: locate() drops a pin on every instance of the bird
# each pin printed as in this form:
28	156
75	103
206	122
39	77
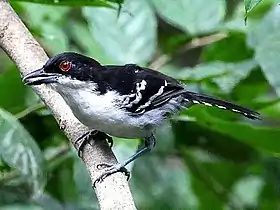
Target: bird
127	101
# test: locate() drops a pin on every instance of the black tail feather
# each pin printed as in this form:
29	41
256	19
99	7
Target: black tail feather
197	98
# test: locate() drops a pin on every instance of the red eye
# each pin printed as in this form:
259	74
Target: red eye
65	65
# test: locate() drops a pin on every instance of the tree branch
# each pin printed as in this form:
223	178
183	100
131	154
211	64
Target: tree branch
28	55
163	59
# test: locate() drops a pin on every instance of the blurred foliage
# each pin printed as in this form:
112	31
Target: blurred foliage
205	158
250	4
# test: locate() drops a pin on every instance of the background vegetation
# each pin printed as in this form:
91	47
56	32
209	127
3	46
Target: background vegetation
205	158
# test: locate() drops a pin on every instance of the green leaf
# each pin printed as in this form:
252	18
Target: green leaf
272	111
228	49
12	100
63	184
51	32
19	150
238	71
131	37
163	183
12	192
200	72
54	39
46	201
226	75
87	43
250	4
103	3
262	138
211	181
21	207
265	39
255	96
83	183
270	24
269	198
192	135
248	190
259	10
267	54
194	17
10	80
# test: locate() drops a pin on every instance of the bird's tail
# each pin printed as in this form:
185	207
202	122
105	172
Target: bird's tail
197	98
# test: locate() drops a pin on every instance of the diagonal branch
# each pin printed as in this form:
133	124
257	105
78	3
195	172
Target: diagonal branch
163	59
28	55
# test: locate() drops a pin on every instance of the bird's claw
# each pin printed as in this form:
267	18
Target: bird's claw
97	135
111	169
85	138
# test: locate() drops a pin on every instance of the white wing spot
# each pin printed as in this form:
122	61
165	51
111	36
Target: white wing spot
207	104
195	102
221	107
235	110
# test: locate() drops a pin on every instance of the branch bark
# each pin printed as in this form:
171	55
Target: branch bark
28	55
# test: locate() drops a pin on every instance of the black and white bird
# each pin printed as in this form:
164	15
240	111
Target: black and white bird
126	101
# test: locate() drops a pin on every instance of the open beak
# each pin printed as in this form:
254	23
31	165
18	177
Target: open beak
39	77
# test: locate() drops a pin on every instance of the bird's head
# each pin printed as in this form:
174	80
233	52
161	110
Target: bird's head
64	68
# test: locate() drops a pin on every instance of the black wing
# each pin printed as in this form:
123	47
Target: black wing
145	89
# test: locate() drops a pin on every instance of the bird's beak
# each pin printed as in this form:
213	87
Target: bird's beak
39	77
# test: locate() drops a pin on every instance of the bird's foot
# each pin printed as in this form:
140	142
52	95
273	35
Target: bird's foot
94	134
109	170
84	139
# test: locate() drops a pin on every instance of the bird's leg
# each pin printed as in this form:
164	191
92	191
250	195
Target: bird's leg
120	167
93	134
